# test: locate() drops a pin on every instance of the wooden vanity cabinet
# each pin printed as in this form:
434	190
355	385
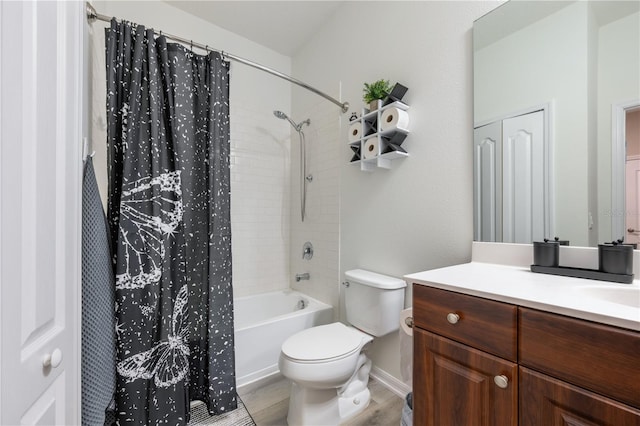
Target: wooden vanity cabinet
597	357
500	364
577	372
456	384
464	369
545	400
459	317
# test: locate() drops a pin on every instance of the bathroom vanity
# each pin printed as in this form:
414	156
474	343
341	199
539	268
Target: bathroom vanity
499	345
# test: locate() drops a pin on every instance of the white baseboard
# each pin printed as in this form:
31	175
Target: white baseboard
394	385
260	382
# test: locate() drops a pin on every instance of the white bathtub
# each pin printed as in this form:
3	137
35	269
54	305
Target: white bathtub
263	322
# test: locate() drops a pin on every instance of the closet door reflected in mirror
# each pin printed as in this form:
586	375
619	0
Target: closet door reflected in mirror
510	178
487	179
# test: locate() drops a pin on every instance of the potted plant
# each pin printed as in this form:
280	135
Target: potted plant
374	91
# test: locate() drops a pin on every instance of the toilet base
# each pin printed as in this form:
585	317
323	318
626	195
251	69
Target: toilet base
352	406
310	406
323	407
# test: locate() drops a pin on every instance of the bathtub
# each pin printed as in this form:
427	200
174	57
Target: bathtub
263	322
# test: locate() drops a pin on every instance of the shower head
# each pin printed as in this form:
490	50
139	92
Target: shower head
281	115
303	159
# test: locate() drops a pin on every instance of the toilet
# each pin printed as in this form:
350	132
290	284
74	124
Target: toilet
327	365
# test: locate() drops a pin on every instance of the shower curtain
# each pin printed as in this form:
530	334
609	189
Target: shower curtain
169	215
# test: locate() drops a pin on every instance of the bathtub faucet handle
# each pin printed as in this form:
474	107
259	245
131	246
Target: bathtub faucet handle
304	276
307	250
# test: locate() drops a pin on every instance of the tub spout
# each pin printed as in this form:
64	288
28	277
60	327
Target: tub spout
300	277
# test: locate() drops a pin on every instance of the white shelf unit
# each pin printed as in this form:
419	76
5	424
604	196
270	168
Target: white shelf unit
370	122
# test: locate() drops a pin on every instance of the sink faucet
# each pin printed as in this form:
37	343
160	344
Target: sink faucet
300	277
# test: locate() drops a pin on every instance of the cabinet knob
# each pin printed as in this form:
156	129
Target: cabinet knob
53	359
501	381
453	318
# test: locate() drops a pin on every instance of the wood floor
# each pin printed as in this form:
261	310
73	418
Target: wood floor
268	405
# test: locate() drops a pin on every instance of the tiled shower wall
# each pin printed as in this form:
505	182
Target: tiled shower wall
321	226
267	232
260	200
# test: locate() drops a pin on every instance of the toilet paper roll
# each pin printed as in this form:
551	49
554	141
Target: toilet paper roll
406	317
406	346
370	149
394	118
355	131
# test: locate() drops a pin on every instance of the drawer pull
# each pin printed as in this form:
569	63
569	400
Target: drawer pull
453	318
501	381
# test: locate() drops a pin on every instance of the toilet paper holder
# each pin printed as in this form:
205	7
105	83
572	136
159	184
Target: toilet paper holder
409	322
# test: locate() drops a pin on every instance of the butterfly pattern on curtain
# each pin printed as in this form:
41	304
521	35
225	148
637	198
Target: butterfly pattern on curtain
169	217
142	233
167	363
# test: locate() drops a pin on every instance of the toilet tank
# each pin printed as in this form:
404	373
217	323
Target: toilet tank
373	301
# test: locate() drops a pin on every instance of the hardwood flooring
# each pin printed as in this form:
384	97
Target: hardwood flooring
268	405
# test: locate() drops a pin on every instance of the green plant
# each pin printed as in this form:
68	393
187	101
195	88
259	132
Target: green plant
376	90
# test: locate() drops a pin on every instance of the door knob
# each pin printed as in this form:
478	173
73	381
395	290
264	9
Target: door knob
53	359
631	230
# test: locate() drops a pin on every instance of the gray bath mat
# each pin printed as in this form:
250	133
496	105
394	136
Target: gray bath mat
238	417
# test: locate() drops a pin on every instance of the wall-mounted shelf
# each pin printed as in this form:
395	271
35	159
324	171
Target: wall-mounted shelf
372	145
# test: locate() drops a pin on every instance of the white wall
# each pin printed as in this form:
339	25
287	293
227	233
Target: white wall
260	143
418	215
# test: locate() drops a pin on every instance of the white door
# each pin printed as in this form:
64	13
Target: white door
487	179
40	175
523	178
632	200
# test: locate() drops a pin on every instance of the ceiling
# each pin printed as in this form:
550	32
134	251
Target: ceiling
283	26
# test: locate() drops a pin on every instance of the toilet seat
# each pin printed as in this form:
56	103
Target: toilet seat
324	343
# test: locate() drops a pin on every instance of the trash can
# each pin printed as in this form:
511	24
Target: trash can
407	411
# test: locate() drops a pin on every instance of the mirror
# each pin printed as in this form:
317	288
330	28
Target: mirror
576	64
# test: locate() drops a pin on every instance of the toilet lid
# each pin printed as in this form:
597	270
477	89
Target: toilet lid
324	342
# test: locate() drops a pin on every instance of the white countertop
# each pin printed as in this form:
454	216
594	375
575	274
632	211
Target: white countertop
575	297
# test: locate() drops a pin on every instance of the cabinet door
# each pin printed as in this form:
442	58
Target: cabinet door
454	384
597	357
548	401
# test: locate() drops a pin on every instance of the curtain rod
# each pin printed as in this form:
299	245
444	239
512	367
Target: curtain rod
92	15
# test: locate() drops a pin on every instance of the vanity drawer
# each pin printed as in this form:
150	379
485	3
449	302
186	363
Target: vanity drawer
597	357
483	324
